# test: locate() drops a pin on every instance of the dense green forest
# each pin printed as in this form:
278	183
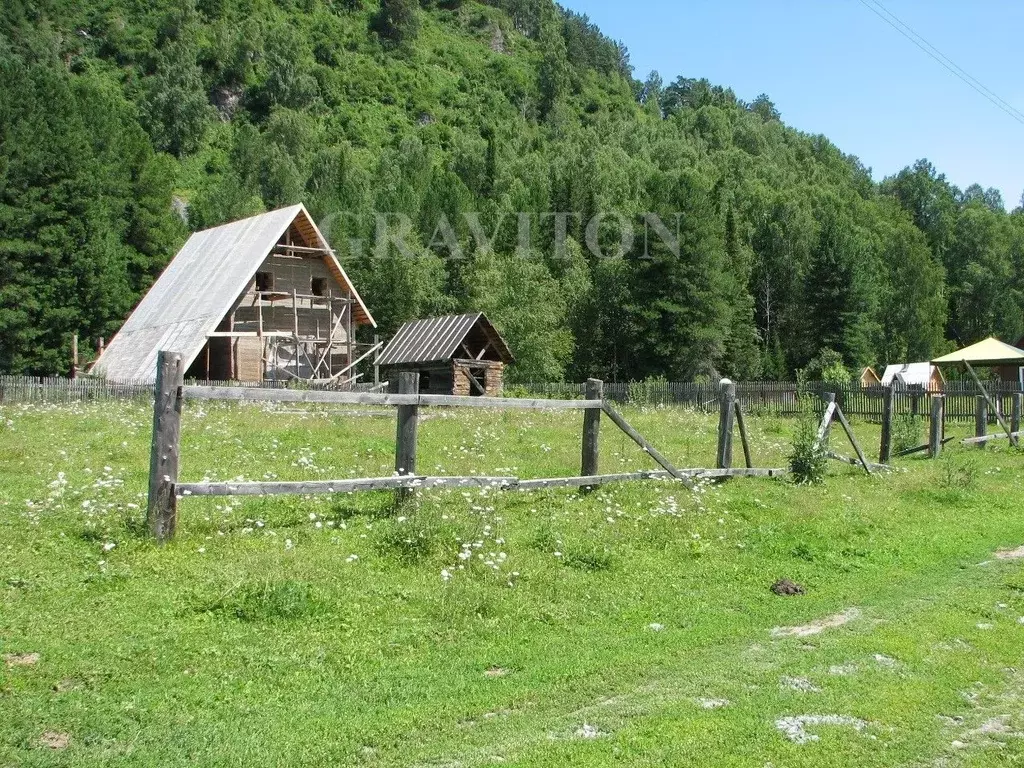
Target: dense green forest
124	124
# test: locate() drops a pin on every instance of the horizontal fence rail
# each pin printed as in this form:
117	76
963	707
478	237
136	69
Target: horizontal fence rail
473	481
373	398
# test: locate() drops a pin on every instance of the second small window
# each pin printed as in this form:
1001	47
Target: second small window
264	281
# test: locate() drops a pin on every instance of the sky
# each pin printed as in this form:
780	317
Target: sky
834	67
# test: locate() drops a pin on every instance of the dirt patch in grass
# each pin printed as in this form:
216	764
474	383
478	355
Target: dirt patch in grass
1010	554
815	627
55	740
787	587
795	728
21	659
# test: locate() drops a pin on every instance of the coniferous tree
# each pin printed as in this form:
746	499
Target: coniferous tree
398	21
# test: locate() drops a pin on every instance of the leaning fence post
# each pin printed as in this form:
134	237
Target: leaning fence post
405	436
829	398
981	419
162	507
592	390
726	414
885	450
935	426
1015	403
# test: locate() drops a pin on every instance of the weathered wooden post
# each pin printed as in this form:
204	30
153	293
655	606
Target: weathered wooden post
376	364
726	414
981	419
74	355
162	508
405	438
935	426
885	449
1015	412
828	398
592	390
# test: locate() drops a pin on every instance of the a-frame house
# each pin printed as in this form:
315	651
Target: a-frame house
263	298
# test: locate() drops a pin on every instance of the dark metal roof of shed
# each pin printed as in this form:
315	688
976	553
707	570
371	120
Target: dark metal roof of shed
435	339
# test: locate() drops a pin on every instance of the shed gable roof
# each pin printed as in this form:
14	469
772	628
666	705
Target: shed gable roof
919	374
199	287
435	339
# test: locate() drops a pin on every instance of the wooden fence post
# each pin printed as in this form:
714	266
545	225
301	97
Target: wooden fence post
744	437
593	390
726	414
981	418
405	437
885	450
162	507
376	365
1015	412
936	426
829	398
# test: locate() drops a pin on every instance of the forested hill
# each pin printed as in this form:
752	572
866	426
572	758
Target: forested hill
124	124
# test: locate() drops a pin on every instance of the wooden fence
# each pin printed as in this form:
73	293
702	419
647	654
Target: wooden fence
781	398
171	393
756	397
54	389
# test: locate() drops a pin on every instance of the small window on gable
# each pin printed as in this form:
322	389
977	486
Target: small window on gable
318	286
264	281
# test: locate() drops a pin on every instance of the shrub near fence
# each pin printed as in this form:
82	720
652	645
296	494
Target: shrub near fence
769	397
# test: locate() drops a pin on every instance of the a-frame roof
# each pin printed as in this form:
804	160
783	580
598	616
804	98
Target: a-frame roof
200	286
436	339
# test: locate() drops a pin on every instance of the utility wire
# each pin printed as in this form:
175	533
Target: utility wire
946	58
904	29
952	63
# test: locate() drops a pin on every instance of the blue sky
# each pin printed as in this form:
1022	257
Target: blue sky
834	67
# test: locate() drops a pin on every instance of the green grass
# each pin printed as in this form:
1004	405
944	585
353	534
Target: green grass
477	627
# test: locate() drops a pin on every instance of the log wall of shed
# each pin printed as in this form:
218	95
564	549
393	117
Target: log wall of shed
488	373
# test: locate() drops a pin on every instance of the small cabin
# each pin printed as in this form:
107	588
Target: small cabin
454	355
869	378
262	298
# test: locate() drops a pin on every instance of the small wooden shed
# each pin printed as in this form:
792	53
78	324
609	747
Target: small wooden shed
869	378
454	355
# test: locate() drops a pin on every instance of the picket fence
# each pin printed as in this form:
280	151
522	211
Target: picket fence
54	389
782	398
756	397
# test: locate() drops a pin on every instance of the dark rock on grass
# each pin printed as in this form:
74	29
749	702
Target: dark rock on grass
787	587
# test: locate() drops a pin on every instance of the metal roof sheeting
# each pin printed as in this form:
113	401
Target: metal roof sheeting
911	374
438	338
199	287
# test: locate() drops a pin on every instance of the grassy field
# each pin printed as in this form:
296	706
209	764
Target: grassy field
631	626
